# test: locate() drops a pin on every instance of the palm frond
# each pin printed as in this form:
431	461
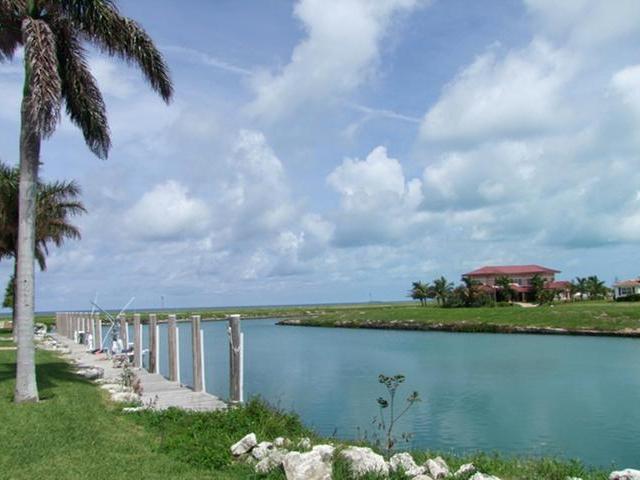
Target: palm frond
43	80
117	35
84	103
10	29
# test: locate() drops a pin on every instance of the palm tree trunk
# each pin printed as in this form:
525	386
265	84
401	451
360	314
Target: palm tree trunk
26	387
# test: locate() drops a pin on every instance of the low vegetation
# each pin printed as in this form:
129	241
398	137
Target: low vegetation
76	433
600	317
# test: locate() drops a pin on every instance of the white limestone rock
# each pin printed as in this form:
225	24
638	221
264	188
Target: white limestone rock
363	460
125	397
304	443
325	451
466	469
244	445
261	450
280	442
437	467
306	466
626	474
272	461
92	373
423	476
405	462
482	476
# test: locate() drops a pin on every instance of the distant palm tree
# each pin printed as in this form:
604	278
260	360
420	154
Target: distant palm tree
537	287
56	202
470	291
579	285
442	288
506	290
52	33
420	291
595	287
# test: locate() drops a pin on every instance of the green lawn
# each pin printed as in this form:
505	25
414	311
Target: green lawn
601	316
76	433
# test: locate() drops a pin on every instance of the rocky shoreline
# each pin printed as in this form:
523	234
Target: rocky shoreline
302	461
460	327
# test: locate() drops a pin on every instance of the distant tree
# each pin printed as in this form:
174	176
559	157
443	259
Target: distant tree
596	288
420	291
506	291
56	203
442	288
7	302
579	285
470	291
537	287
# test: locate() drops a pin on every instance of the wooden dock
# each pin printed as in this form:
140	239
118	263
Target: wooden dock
157	392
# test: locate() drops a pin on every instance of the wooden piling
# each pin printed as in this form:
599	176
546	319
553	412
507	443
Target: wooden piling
137	341
197	353
173	350
124	331
153	344
235	360
98	321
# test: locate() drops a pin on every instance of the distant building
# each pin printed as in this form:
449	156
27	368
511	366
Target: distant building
626	288
520	276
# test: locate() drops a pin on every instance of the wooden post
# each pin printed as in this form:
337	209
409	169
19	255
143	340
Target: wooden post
98	332
197	353
174	368
92	331
235	360
124	331
76	326
153	344
137	341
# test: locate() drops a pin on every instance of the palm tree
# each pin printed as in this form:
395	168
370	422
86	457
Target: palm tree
52	33
470	291
504	283
537	287
580	286
420	291
442	288
56	202
595	287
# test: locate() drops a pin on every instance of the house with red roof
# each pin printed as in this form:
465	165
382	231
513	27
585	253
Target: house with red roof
520	276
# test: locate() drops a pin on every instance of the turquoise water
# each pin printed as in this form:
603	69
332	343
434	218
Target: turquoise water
575	397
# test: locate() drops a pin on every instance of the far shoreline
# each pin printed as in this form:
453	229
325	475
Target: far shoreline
462	328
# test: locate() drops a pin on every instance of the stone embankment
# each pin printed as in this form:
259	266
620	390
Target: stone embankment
460	327
304	461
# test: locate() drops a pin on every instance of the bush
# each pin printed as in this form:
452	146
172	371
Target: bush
203	438
629	298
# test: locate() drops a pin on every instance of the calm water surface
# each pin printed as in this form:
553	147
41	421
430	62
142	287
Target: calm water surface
575	397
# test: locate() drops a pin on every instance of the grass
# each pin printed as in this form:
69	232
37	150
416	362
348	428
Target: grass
603	317
76	433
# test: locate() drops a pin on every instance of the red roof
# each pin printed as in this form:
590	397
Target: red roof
510	270
559	285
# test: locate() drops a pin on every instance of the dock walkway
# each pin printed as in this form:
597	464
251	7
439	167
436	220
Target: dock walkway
156	390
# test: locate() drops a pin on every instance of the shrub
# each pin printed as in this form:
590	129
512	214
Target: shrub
629	298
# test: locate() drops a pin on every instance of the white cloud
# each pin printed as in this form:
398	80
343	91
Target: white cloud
518	95
587	22
341	50
167	212
378	204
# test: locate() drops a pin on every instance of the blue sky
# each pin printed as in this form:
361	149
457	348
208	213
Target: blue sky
321	151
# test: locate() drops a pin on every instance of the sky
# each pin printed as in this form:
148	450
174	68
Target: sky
323	151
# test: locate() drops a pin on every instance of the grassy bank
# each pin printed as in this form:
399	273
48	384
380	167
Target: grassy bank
76	433
578	317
